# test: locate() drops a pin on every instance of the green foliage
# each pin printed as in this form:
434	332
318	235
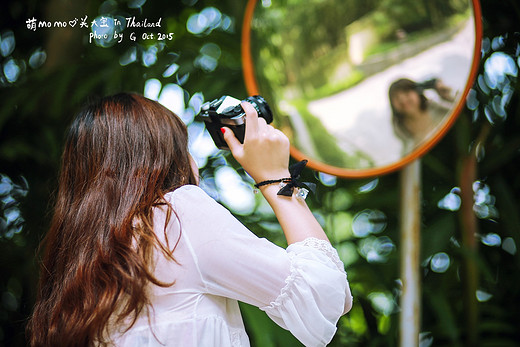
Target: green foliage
360	216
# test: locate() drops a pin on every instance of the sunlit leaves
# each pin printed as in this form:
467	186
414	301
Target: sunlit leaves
451	201
207	20
340	226
376	249
207	60
498	79
235	193
509	246
11	69
38	58
368	187
327	180
368	222
7	43
484	205
382	302
11	219
440	262
483	201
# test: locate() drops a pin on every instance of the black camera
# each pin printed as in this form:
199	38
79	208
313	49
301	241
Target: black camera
227	112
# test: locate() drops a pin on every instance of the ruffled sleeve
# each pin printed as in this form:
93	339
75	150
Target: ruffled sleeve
315	295
303	288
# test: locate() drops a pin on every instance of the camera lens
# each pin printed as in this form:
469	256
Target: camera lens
261	107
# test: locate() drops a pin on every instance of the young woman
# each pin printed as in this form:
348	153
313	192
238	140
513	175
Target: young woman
138	255
414	116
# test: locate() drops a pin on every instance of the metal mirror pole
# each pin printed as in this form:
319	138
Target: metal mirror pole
410	315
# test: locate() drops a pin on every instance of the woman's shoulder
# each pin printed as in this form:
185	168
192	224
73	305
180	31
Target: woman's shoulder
190	195
186	191
195	208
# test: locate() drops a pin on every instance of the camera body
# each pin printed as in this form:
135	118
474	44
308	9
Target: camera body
227	112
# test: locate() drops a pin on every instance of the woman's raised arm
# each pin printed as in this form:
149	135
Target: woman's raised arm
265	156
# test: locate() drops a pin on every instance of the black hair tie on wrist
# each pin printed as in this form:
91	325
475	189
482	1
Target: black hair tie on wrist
292	182
267	182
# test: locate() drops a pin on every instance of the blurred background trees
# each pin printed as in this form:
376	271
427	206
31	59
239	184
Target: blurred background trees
471	214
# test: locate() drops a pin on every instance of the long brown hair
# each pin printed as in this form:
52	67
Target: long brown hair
122	154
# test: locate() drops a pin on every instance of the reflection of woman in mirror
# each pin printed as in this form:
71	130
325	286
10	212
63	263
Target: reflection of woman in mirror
413	115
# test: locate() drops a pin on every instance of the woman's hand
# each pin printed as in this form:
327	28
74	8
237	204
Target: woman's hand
265	156
265	151
443	90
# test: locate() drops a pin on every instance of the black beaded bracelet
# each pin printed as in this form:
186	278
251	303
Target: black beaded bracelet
289	184
267	182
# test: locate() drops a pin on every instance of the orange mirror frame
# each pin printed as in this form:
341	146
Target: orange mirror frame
252	89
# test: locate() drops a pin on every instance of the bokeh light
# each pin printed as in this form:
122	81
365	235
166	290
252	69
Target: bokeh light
209	19
11	220
509	245
483	296
234	193
7	43
368	187
491	239
208	57
327	180
382	302
440	262
376	249
38	58
368	222
450	201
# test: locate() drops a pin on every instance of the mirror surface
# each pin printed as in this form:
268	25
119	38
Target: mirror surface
357	85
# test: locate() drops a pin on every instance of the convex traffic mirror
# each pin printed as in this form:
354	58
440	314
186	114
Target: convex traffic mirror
362	87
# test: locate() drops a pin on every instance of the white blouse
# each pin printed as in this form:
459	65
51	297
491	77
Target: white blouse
303	288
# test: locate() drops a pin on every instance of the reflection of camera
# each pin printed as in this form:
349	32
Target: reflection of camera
429	84
227	112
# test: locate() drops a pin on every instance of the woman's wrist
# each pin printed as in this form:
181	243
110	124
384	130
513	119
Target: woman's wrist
290	184
271	194
272	185
271	176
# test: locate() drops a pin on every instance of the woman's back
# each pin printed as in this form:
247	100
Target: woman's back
217	262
